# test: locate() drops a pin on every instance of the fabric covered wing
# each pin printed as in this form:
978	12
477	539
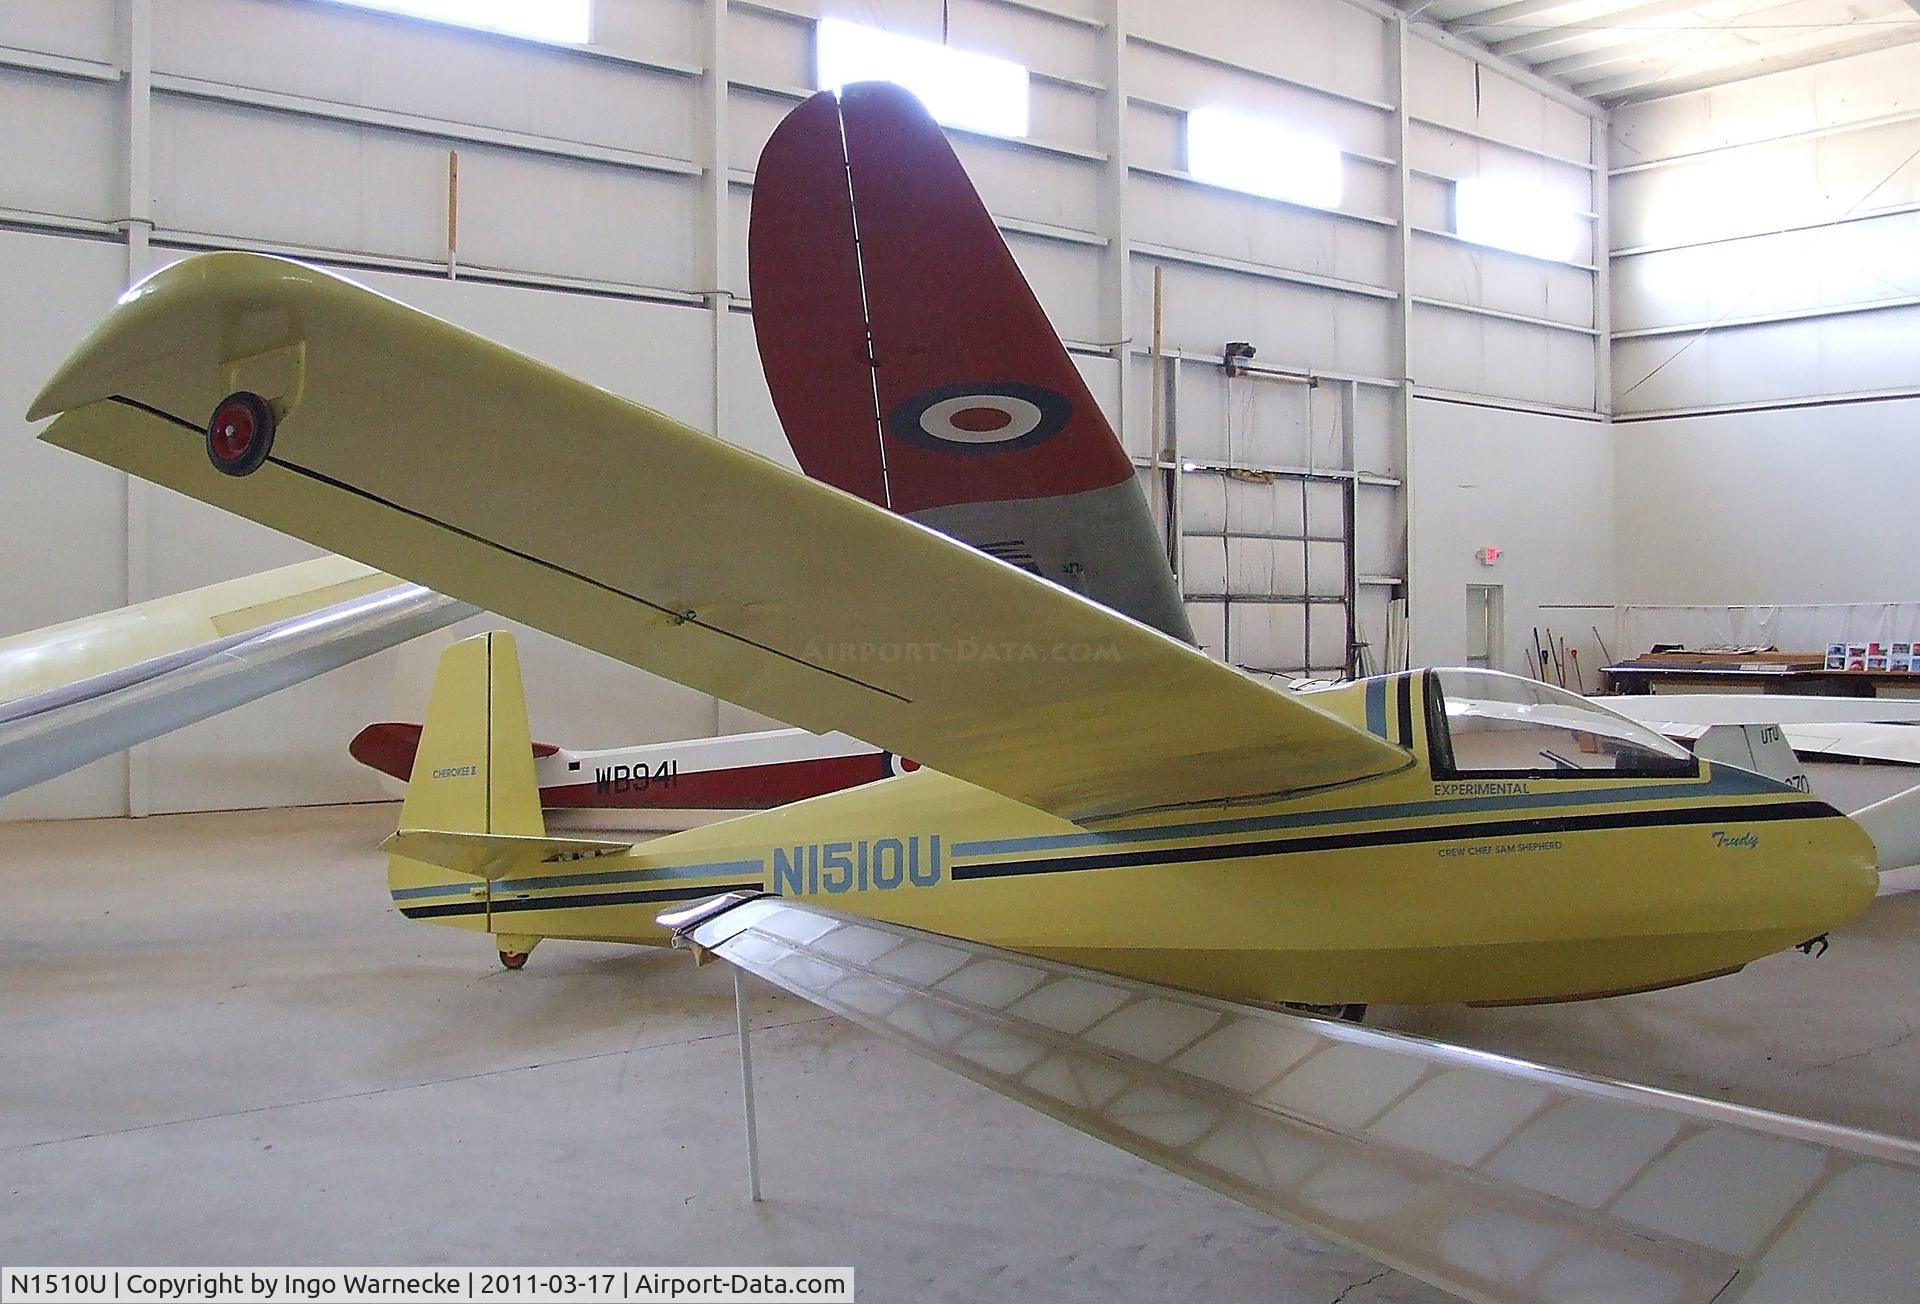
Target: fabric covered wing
1493	1178
78	691
912	365
421	448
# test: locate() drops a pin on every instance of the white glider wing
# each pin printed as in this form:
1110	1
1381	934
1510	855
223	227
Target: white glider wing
1489	1177
75	692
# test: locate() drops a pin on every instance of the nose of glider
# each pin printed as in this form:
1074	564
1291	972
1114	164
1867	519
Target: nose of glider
1840	876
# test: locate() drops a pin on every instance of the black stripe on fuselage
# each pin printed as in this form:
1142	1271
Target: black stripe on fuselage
1664	817
1406	710
578	899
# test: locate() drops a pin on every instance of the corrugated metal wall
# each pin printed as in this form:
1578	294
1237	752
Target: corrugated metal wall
604	194
1766	278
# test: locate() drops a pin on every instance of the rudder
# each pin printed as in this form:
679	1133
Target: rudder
473	773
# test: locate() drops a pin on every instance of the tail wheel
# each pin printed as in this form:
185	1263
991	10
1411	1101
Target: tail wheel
514	959
240	433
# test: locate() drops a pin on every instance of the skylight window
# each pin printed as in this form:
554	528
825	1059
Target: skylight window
1262	157
1518	216
568	22
962	89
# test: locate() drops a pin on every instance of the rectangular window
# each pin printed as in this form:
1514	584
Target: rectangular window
1263	157
973	92
1517	216
567	22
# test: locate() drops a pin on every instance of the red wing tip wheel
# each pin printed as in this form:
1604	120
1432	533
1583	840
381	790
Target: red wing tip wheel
514	959
240	433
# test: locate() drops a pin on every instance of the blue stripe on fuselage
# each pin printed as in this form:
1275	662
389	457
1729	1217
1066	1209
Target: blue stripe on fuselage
1726	782
725	868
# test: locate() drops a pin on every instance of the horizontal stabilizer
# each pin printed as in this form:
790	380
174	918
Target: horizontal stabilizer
1894	826
493	855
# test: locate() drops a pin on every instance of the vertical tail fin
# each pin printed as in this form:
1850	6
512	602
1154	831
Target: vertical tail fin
473	773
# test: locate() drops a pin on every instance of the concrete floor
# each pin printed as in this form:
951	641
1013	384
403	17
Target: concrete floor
219	1044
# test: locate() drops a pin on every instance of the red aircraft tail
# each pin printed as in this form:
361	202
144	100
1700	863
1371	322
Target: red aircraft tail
912	365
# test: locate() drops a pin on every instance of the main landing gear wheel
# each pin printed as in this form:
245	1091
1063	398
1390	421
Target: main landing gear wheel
240	433
514	959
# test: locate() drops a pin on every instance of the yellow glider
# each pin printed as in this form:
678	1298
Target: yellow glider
1141	833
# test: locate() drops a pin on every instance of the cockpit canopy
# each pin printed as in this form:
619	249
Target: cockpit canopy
1483	722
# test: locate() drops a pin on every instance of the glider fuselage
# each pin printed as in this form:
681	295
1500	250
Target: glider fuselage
1421	886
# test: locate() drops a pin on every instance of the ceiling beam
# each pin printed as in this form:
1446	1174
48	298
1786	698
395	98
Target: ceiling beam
1667	49
1649	84
1551	36
1519	12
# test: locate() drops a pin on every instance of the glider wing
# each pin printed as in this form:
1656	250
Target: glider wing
421	448
1493	1178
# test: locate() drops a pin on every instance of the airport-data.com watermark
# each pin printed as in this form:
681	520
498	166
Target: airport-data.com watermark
964	651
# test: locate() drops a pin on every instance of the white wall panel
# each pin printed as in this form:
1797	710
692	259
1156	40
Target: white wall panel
1795	506
1817	98
1859	262
1019	182
583	220
1319	42
651	29
274	176
1456	91
769	49
1041	41
1167	77
53	156
1769	186
1293	325
1473	354
81	28
1065	278
1758	226
356	56
751	420
1781	362
1227	224
1541	489
1375	412
339	186
1506	282
751	118
64	517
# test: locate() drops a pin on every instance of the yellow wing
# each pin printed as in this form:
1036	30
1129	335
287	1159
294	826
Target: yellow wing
423	449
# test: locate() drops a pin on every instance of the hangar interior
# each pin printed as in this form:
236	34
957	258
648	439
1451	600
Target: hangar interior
1681	410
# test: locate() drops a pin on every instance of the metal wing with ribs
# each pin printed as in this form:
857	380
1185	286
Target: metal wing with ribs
1493	1178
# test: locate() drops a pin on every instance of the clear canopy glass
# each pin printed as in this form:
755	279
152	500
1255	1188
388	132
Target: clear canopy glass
1493	723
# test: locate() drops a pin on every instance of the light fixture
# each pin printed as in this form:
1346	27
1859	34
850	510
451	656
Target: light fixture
973	92
1517	216
1262	157
568	22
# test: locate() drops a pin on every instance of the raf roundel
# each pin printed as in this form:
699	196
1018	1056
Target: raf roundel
981	417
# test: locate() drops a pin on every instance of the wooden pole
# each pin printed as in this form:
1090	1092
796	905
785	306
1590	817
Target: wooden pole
1156	416
453	214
